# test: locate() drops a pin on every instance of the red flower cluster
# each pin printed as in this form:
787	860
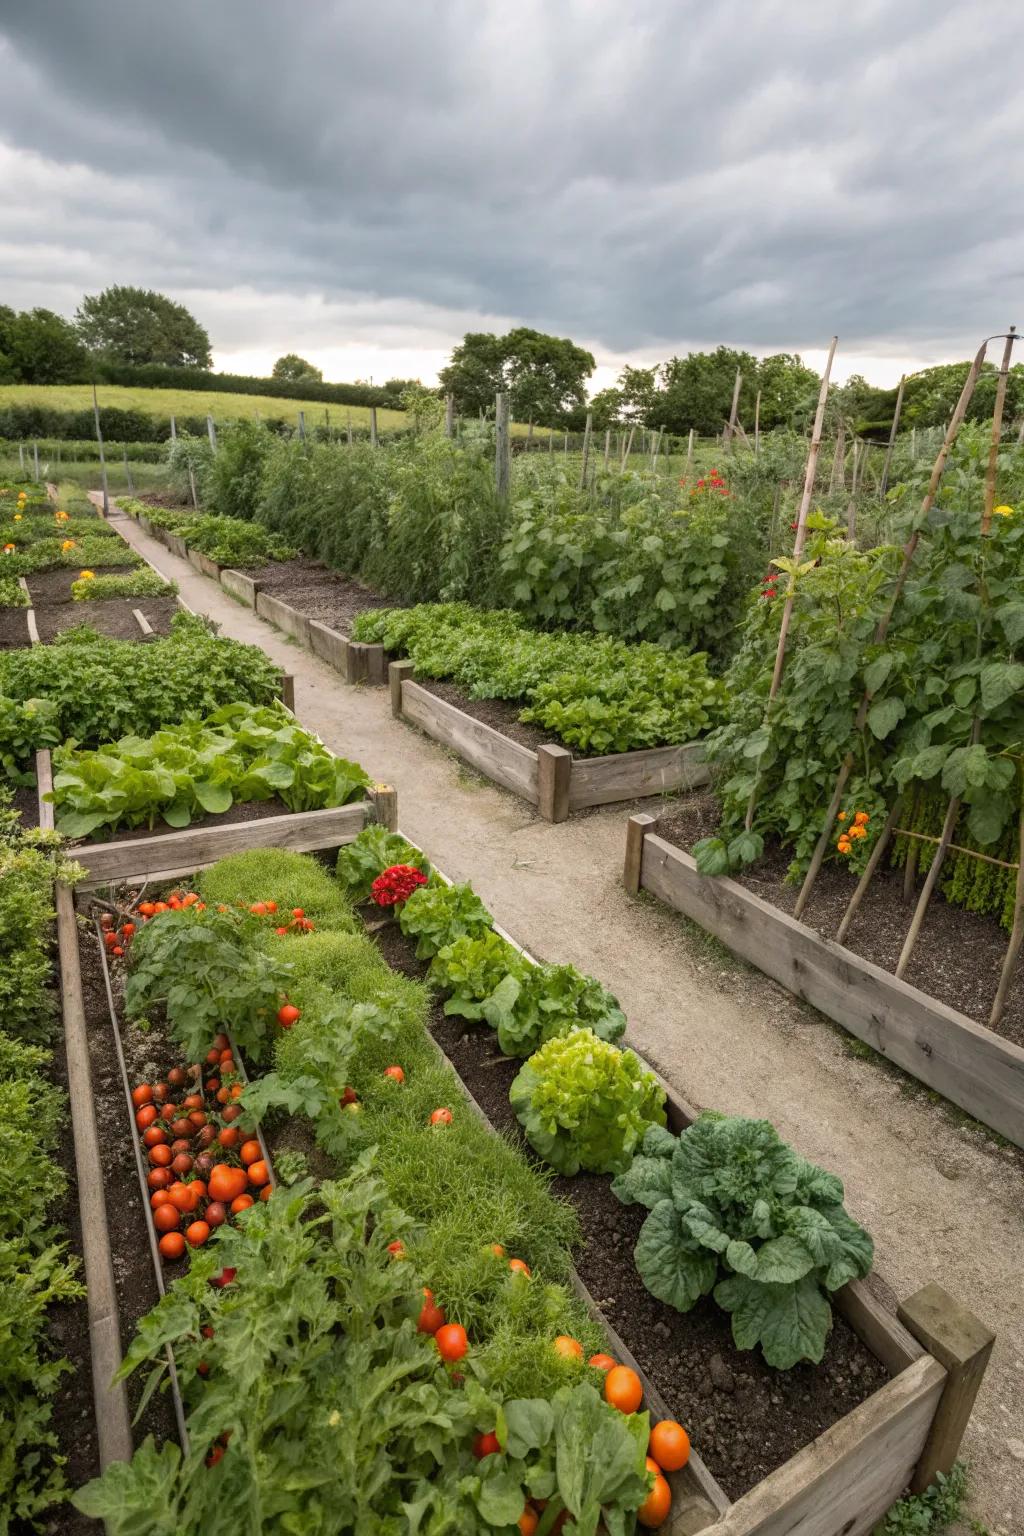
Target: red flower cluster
768	587
396	884
714	482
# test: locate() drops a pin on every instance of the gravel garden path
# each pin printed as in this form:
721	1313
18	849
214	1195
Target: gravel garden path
943	1200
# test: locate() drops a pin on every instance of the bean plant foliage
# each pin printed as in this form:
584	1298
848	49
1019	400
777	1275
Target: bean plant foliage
318	1306
946	685
735	1211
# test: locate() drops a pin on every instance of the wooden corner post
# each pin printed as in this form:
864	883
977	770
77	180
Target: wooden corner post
962	1344
398	671
637	828
288	691
554	770
384	799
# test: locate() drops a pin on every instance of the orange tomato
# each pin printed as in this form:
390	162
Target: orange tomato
172	1245
241	1203
431	1316
669	1445
159	1197
143	1094
395	1073
654	1510
146	1115
601	1362
623	1389
259	1174
519	1268
266	1192
226	1183
196	1234
497	1250
528	1520
160	1155
166	1217
568	1348
184	1197
250	1152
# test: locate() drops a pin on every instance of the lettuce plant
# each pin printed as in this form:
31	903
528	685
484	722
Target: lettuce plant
369	855
583	1103
437	914
735	1211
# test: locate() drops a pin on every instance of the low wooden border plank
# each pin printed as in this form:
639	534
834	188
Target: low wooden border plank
175	544
962	1060
148	632
284	617
629	775
501	759
196	848
242	587
846	1479
330	645
44	785
202	563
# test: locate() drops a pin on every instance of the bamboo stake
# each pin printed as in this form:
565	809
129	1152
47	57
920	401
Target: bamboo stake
689	455
884	485
35	456
211	430
174	430
913	445
1016	940
607	445
587	430
565	447
628	448
997	432
839	459
869	872
909	550
348	427
502	445
730	425
930	882
851	510
757	424
21	457
373	426
449	416
798	544
103	458
551	440
656	449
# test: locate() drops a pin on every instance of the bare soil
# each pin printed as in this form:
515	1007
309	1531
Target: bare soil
55	586
25	801
322	594
744	1418
499	714
13	629
113	617
958	956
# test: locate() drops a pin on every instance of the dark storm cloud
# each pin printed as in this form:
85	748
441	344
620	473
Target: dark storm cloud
761	173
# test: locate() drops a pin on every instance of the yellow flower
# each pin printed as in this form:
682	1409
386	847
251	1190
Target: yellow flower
8	549
1003	511
68	544
17	517
62	517
858	831
87	575
842	815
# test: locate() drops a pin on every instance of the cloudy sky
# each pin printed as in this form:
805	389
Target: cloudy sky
362	183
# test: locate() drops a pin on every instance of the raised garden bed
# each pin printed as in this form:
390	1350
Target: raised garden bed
820	1449
968	1063
548	775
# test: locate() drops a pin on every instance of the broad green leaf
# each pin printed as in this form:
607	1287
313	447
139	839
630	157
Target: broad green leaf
790	1322
884	716
876	672
671	1266
711	856
214	798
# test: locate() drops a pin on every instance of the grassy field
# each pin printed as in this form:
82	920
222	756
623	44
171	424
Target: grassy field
164	403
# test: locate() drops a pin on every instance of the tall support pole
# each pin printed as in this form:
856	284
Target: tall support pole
373	426
449	415
103	457
689	455
174	430
884	485
997	431
607	445
502	445
731	425
212	432
757	424
588	429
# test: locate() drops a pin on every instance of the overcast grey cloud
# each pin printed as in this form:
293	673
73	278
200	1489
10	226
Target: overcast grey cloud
640	176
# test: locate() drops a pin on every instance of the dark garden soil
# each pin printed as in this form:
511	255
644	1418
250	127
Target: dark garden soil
174	501
25	801
500	714
248	810
321	594
148	1054
958	956
113	617
744	1418
55	586
13	629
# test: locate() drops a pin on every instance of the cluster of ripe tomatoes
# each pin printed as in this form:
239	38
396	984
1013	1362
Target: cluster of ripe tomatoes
203	1170
118	936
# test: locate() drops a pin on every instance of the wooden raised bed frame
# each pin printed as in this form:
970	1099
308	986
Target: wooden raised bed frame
549	777
953	1054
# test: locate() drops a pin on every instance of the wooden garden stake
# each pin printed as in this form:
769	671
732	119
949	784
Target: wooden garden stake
607	446
373	426
997	432
757	424
798	544
588	429
884	484
302	426
851	510
1016	937
103	459
913	445
211	431
628	448
35	457
689	455
930	881
730	427
174	430
128	471
565	447
449	416
882	629
839	459
656	448
502	445
21	457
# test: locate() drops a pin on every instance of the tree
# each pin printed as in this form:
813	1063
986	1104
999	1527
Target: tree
789	391
135	325
696	391
39	347
545	375
606	409
293	369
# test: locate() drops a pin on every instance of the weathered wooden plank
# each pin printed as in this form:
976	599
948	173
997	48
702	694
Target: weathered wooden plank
146	526
330	645
883	1333
495	755
637	828
398	672
554	772
376	665
195	848
285	617
203	564
44	785
175	544
962	1344
628	775
845	1480
242	587
148	632
110	1399
31	626
959	1058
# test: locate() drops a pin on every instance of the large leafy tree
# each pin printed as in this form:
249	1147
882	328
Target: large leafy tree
789	391
39	347
545	375
136	325
696	391
293	369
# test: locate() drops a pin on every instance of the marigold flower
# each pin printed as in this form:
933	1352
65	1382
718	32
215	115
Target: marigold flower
87	575
61	517
843	816
844	845
17	517
858	830
1003	511
862	818
68	544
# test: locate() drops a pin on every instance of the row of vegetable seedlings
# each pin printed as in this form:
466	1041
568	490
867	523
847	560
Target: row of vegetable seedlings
893	1341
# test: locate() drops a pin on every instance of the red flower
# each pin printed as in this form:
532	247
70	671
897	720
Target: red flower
396	884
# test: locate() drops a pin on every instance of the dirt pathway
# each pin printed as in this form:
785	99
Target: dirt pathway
942	1201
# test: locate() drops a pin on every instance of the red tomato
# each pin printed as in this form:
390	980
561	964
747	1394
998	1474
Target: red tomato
485	1445
271	906
172	1244
166	1217
250	1152
160	1155
431	1316
159	1178
146	1115
153	1135
226	1183
143	1094
196	1234
241	1203
287	1015
519	1268
259	1174
441	1117
396	1073
451	1341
